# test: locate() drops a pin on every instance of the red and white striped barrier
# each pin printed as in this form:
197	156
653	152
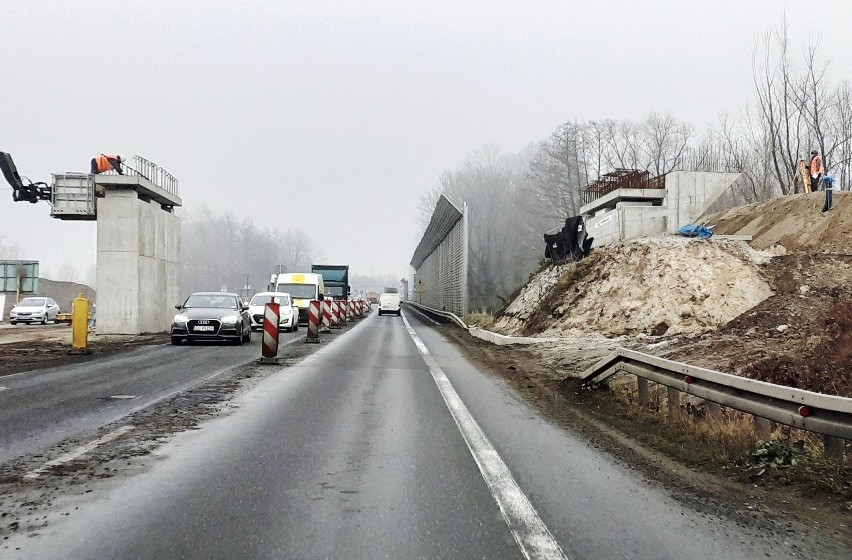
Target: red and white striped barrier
359	308
335	314
313	321
350	310
269	347
325	322
342	310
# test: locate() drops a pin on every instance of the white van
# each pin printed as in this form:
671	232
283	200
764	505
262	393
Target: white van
302	287
389	303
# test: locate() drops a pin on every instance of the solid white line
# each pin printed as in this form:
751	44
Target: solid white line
81	450
532	535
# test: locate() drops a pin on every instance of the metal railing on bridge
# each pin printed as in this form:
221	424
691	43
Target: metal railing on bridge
142	167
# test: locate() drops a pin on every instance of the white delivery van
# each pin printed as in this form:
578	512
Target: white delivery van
302	287
389	303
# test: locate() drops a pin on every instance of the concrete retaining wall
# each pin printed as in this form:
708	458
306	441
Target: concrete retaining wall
502	339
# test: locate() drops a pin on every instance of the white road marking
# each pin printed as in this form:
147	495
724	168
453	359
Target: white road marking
124	397
532	535
81	450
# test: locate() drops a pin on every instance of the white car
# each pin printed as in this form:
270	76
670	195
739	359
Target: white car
288	317
34	310
389	303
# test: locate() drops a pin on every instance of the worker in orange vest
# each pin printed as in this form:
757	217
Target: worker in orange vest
816	169
102	163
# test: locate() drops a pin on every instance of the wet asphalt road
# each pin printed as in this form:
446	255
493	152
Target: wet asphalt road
42	407
353	453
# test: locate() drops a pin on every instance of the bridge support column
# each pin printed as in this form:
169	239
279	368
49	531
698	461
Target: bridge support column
138	260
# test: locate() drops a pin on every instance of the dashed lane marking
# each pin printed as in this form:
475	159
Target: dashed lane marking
79	451
532	535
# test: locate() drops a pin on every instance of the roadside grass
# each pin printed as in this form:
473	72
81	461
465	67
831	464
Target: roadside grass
723	441
481	319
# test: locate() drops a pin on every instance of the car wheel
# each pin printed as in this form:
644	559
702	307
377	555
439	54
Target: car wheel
247	337
44	320
13	322
295	326
176	340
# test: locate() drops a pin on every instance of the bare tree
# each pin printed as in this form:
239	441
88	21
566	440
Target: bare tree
664	141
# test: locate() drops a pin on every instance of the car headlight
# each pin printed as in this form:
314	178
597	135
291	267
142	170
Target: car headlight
180	319
230	319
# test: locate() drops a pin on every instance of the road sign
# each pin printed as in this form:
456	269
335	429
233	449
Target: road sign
19	276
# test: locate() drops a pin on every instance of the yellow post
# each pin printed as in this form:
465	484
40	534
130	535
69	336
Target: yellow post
79	323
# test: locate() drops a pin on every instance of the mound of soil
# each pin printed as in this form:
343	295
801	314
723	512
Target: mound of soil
800	337
655	286
794	222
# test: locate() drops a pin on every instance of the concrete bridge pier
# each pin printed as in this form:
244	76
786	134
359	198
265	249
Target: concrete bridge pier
138	280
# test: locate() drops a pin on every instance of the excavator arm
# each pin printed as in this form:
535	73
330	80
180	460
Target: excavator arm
21	191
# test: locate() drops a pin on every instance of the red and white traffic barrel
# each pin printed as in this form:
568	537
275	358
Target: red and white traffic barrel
335	314
325	320
342	310
350	310
313	321
269	347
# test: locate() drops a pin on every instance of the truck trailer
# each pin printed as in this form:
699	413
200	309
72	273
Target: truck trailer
336	279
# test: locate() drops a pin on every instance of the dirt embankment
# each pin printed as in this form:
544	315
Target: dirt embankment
655	286
794	222
778	310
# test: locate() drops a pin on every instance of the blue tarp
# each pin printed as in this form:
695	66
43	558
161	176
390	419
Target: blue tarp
692	230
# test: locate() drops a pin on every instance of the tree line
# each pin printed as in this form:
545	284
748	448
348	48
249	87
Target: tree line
221	251
514	198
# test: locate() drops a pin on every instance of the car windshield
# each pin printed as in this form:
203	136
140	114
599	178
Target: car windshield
32	302
211	301
299	291
263	300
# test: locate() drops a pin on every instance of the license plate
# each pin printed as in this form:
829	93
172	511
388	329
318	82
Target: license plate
203	328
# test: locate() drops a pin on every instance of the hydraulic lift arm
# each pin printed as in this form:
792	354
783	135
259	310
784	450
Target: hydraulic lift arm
29	192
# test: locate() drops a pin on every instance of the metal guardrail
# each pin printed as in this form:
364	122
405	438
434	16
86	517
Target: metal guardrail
828	415
151	171
445	316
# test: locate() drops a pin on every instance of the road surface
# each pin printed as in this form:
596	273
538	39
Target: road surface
386	443
42	407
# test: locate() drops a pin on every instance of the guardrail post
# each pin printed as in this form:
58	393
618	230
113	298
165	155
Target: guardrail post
714	410
834	447
674	402
643	391
762	428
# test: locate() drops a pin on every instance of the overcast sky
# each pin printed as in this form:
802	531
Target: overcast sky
335	116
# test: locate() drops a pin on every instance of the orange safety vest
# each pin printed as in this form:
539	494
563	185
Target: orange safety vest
103	163
816	165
